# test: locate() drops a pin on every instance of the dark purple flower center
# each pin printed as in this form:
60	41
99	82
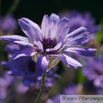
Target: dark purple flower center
48	46
98	72
48	43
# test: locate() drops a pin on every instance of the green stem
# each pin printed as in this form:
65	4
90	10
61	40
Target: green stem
13	7
81	77
42	88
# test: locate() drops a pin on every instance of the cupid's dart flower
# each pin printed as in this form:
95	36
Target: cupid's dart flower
50	44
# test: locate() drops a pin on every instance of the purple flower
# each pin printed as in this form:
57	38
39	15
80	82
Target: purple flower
6	82
70	90
77	19
8	24
55	99
73	90
21	88
7	85
50	44
93	70
25	67
89	88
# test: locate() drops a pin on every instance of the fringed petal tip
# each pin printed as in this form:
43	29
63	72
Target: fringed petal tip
93	51
89	52
66	19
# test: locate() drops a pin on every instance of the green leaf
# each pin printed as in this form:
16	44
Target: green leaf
80	76
100	50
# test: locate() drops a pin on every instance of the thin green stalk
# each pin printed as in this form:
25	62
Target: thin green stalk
81	77
13	7
42	88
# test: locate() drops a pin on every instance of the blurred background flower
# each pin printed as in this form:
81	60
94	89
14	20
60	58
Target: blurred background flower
77	19
25	67
93	70
18	83
8	24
